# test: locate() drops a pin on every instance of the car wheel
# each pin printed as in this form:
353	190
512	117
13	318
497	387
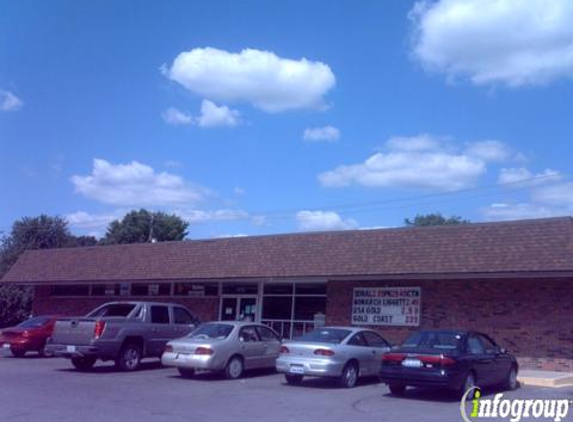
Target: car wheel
511	381
83	364
129	357
469	383
18	353
234	368
186	372
293	379
349	375
397	389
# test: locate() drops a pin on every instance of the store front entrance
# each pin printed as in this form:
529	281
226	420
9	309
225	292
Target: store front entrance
238	308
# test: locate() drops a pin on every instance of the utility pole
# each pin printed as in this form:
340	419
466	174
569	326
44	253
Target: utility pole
150	238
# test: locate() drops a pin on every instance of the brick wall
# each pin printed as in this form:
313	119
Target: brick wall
204	308
533	319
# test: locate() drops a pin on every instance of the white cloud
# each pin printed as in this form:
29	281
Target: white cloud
177	117
489	150
135	185
523	177
423	142
323	220
418	162
505	212
558	194
9	102
512	42
259	220
226	236
203	216
213	115
268	82
85	220
326	133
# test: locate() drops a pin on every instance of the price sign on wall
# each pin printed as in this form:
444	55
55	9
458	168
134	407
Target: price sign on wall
386	306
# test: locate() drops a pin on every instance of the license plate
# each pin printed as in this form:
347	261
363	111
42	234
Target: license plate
296	369
70	349
412	363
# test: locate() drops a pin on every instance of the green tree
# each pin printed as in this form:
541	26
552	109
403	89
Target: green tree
43	232
434	219
145	226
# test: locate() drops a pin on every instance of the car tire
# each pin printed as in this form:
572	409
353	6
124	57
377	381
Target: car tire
397	389
186	372
469	382
349	376
511	380
293	379
18	353
234	368
129	358
83	364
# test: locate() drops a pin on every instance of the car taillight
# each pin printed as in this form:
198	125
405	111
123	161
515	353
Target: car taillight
324	352
284	349
168	349
393	357
203	351
98	329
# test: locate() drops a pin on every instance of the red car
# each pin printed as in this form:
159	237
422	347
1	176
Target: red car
28	336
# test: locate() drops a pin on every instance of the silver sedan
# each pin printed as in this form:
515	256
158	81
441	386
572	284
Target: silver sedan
343	353
231	347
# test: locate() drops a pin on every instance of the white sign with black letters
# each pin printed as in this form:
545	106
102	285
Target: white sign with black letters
386	306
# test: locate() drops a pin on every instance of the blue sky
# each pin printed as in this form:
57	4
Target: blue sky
258	117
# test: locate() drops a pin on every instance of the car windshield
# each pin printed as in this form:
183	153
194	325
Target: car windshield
116	309
34	322
434	340
326	335
212	331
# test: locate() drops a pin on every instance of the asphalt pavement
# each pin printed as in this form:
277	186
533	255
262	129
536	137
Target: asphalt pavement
49	390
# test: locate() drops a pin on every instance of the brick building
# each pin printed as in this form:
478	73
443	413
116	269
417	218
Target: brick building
513	280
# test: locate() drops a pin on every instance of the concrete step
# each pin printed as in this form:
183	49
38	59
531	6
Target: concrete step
551	379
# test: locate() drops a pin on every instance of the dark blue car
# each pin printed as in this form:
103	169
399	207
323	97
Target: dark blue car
449	359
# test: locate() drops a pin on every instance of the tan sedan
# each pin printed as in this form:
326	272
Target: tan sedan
231	347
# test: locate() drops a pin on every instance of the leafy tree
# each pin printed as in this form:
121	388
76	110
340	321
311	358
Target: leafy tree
145	226
82	241
43	232
435	219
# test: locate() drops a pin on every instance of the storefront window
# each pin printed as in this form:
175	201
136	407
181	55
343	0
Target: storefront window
105	289
309	301
240	288
277	307
305	307
150	289
278	289
196	289
311	289
71	290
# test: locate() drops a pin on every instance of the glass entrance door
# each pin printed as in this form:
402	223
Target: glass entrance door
239	308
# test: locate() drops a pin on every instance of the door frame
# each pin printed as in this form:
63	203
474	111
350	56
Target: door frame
238	304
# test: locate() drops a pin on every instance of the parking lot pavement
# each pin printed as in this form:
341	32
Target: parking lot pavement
48	390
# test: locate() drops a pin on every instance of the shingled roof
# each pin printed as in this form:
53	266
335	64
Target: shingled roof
543	245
